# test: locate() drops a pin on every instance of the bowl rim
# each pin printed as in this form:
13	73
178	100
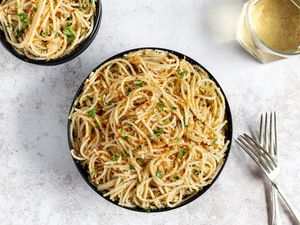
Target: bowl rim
73	54
228	132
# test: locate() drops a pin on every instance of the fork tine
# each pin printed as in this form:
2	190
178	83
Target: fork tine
271	150
263	153
275	134
252	155
261	130
265	145
254	152
262	157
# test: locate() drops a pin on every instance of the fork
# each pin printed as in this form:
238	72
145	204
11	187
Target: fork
268	165
268	140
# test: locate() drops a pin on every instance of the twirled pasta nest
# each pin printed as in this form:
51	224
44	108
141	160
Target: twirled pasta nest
149	129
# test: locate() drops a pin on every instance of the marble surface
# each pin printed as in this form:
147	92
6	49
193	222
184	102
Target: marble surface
39	183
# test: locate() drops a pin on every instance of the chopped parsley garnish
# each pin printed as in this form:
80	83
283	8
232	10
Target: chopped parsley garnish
114	157
161	105
43	34
138	181
152	137
92	2
69	32
89	97
205	83
9	25
181	152
177	139
122	155
97	126
174	108
148	210
93	173
129	90
159	173
192	74
139	83
181	75
92	113
141	161
158	132
20	32
34	9
214	141
124	137
186	126
131	167
23	18
176	178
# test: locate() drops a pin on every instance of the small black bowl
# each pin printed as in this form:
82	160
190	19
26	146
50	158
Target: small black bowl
228	133
76	52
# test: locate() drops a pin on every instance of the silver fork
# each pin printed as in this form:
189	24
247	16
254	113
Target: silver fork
268	140
268	165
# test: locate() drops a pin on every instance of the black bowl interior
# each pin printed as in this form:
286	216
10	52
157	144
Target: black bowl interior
77	51
228	133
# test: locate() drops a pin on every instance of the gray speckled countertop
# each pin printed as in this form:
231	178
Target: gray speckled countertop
39	183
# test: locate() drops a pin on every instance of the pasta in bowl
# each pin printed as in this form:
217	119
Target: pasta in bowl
150	129
49	31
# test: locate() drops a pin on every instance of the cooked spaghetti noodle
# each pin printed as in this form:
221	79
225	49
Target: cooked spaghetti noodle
46	29
150	129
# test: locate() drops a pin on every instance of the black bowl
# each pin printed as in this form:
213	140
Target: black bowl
77	51
228	133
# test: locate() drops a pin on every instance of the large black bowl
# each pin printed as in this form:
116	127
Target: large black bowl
76	52
228	133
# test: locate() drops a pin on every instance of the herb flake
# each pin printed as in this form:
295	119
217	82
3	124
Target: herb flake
214	142
139	83
69	32
161	105
124	137
152	137
158	132
114	157
159	173
181	75
181	152
92	113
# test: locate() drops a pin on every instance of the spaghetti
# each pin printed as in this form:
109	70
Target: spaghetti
150	129
46	29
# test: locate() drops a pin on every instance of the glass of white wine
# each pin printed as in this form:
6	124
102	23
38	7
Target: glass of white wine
270	29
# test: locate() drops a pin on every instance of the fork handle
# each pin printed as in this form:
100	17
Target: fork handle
275	207
288	203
